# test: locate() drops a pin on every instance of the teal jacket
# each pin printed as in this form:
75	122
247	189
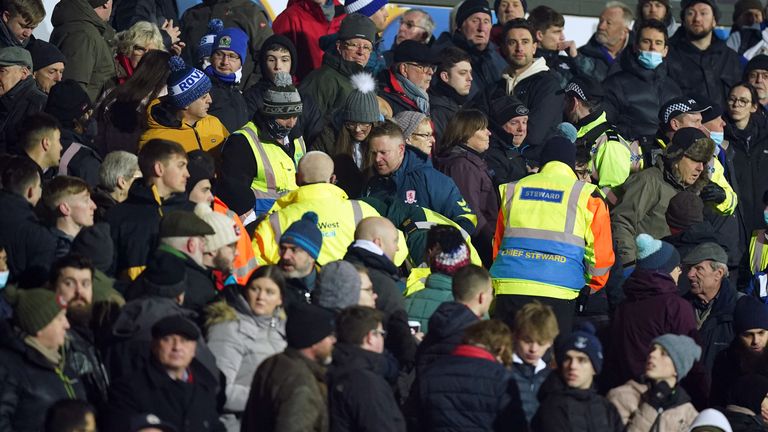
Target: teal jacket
422	304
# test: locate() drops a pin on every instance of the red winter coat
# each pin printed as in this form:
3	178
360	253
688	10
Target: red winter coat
304	23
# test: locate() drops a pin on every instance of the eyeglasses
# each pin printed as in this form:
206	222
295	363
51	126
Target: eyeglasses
423	68
355	126
738	102
410	25
583	173
352	46
223	55
423	135
755	74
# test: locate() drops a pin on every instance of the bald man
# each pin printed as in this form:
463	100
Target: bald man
337	214
374	248
315	167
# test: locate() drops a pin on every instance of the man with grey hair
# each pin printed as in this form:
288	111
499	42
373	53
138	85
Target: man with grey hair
604	47
117	173
712	297
416	24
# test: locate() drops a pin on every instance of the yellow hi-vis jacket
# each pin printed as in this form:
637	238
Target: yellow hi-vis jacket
337	216
758	251
275	170
553	236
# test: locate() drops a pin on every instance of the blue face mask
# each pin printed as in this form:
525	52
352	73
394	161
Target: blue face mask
765	218
650	59
4	278
718	138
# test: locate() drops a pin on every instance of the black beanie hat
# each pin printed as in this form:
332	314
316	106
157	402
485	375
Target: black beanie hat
307	325
559	149
67	101
750	313
758	62
44	54
95	242
201	167
282	41
469	8
506	108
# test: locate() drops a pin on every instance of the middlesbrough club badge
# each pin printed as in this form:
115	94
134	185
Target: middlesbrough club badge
410	197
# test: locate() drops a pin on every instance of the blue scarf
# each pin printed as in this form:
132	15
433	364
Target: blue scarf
227	78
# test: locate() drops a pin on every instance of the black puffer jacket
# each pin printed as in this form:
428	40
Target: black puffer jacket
22	100
711	72
573	410
29	384
85	360
635	94
30	245
469	390
228	104
446	329
359	397
750	163
135	224
188	405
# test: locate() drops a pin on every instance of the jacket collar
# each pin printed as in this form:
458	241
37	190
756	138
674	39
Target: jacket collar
472	351
589	122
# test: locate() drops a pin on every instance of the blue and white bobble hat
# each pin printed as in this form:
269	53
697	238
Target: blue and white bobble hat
185	83
365	7
205	47
653	254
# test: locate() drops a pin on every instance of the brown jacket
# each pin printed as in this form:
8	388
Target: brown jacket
288	394
639	416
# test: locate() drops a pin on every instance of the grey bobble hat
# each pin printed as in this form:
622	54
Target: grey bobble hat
361	105
409	121
682	350
282	99
338	285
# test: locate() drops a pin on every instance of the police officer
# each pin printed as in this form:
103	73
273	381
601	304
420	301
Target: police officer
260	159
612	157
553	239
758	244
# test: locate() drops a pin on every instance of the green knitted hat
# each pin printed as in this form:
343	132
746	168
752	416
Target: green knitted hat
34	308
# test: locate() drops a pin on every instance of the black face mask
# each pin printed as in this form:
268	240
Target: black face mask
277	131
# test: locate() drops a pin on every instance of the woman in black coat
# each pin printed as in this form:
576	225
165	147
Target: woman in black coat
461	157
471	389
747	132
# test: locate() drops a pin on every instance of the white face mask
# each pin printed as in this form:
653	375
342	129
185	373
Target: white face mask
4	278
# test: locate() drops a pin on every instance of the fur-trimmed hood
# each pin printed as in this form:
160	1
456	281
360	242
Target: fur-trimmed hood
233	307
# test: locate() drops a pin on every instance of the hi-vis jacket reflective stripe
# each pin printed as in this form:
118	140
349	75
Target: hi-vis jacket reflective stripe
275	170
245	261
758	251
553	236
717	176
337	218
611	159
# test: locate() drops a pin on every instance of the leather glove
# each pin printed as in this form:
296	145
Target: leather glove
582	299
712	192
660	395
